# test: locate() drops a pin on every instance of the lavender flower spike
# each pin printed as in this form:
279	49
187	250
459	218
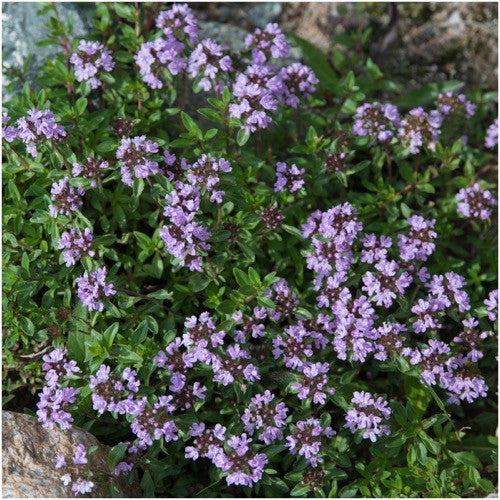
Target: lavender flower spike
92	287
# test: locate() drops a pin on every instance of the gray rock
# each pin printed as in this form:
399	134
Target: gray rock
265	12
28	459
22	29
227	35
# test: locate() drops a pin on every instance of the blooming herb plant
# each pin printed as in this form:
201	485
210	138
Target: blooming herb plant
264	273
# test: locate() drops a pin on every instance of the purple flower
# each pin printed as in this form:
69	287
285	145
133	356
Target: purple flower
39	125
447	290
353	329
9	133
492	304
307	438
367	415
375	249
290	177
234	366
428	312
57	365
65	198
92	287
135	156
294	347
272	218
471	338
208	62
491	139
178	23
294	82
207	443
268	43
475	202
331	291
123	468
153	421
451	104
255	99
463	380
336	162
154	57
187	243
266	416
82	486
114	393
77	244
243	466
387	284
432	360
338	228
90	60
313	383
285	301
53	405
250	327
420	128
387	340
175	166
376	120
173	359
418	243
205	173
201	336
90	169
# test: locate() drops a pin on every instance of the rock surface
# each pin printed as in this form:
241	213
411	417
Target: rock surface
28	459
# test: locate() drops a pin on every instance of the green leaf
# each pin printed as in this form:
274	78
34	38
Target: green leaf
116	454
417	394
242	137
81	105
466	458
318	63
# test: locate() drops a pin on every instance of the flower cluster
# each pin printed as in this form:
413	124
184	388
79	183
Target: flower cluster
268	43
266	416
204	173
112	393
376	120
178	23
92	287
91	168
367	415
154	57
136	161
475	203
290	177
90	60
74	474
307	438
76	245
272	218
491	139
184	238
65	198
419	128
36	127
335	162
451	104
255	98
208	62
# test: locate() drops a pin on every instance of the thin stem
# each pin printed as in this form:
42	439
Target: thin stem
140	295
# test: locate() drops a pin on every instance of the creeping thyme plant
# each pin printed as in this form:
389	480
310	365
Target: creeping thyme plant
264	273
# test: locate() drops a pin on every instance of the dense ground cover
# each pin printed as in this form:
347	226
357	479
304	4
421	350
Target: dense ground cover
244	272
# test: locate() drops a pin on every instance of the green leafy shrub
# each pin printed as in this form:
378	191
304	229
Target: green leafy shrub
250	277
